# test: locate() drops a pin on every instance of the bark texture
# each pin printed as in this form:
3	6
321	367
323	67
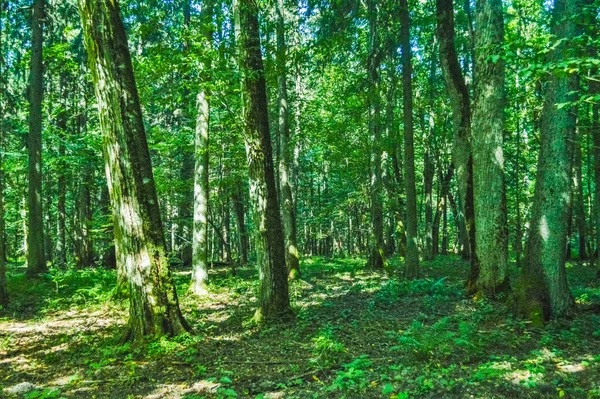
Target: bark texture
412	249
36	260
376	255
201	175
273	301
543	291
288	206
154	307
461	119
489	190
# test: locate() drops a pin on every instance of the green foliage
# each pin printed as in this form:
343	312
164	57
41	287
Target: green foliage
353	377
326	348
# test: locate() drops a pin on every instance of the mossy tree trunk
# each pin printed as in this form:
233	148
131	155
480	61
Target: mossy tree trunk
36	260
578	198
461	119
543	289
412	249
288	206
273	301
154	307
201	174
489	190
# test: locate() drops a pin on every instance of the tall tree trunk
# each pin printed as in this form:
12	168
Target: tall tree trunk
412	249
182	229
83	244
429	164
393	137
595	89
544	292
489	190
292	257
154	307
3	288
461	118
274	298
201	198
578	205
61	211
36	261
376	255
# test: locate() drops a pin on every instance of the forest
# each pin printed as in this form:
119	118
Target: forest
299	199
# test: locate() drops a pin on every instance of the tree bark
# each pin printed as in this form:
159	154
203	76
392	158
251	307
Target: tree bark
3	287
578	206
489	191
154	306
60	257
292	257
201	198
36	261
543	291
412	249
273	299
461	119
376	255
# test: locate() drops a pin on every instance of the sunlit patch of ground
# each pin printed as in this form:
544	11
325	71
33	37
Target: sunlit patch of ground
357	334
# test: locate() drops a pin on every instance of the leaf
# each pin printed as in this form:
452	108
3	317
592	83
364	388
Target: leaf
225	380
387	389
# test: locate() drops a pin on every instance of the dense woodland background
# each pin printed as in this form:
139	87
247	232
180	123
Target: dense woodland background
436	164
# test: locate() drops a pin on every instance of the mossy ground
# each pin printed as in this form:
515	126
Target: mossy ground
357	334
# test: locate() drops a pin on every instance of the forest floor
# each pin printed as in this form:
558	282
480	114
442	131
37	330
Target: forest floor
357	334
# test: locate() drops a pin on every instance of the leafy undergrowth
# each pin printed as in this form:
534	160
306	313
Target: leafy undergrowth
357	334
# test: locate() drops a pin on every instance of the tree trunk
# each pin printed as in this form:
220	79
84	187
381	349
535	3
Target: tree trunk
3	287
461	119
139	240
36	262
201	198
412	249
489	190
543	291
182	229
578	206
292	256
273	299
429	165
83	243
595	89
61	211
376	254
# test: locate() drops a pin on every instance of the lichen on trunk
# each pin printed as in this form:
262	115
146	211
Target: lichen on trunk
140	246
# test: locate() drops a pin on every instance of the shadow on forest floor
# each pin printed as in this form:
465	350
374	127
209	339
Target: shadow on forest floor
357	334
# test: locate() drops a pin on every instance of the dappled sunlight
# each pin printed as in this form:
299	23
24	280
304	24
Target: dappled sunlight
343	311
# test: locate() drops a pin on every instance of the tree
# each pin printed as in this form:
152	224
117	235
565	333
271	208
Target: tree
288	207
154	307
412	250
376	255
491	232
3	288
273	299
461	120
36	260
201	175
543	291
